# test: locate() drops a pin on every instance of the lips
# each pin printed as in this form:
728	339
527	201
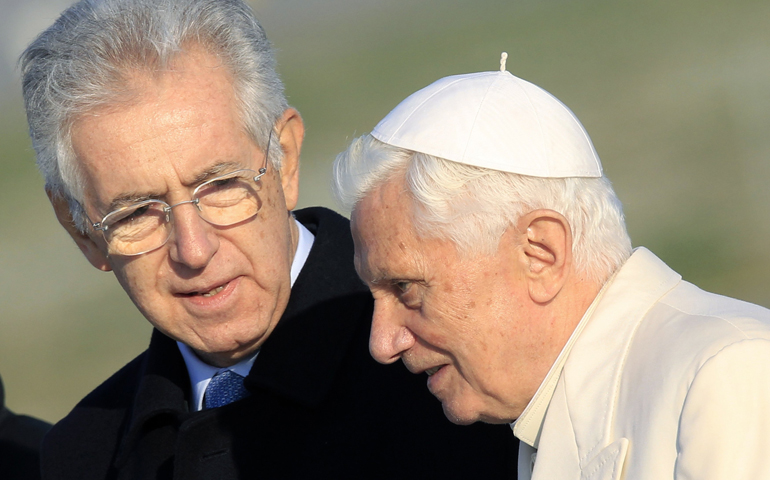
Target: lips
437	376
210	298
418	367
213	291
206	291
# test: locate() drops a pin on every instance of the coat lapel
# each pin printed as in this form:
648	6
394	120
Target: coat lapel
162	390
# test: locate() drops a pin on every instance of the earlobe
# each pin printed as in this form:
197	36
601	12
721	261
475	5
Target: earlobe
291	131
548	252
86	244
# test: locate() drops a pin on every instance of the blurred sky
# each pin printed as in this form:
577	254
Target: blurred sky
675	94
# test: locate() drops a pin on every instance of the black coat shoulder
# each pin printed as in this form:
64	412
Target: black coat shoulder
91	432
20	439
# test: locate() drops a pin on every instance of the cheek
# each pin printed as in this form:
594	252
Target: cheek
457	304
261	251
475	329
447	323
250	242
269	248
140	276
142	284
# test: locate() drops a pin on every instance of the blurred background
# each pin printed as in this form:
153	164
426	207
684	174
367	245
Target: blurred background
675	94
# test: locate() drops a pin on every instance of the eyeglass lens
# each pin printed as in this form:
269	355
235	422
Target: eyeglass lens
143	227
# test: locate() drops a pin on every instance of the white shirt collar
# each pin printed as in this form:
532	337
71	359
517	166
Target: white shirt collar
201	372
304	244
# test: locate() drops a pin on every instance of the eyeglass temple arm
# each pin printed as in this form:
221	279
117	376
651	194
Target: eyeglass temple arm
263	170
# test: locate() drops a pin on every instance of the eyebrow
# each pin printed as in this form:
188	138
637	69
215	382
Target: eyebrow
358	268
130	198
379	278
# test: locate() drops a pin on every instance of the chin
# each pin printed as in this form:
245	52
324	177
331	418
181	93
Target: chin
458	416
222	357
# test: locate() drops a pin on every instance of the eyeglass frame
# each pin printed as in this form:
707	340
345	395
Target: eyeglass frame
195	201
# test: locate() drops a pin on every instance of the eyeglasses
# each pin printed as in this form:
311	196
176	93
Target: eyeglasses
146	226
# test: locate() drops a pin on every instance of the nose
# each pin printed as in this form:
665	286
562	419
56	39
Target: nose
193	241
389	337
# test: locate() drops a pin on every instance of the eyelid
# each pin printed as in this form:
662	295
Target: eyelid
240	173
407	293
402	285
220	170
126	202
131	207
234	173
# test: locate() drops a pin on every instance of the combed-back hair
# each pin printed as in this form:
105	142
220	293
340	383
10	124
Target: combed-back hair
89	56
472	207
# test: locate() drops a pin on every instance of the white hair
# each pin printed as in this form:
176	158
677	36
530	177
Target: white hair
89	56
472	207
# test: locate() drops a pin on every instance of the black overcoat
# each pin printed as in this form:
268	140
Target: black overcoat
320	407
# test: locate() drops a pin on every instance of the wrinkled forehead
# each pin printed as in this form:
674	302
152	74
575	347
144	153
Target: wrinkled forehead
179	126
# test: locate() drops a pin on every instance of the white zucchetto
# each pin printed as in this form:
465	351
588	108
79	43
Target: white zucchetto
493	120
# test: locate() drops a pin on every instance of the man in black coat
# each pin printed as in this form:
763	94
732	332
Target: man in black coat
20	438
171	157
320	406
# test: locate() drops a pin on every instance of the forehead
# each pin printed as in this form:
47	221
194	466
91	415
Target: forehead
382	230
180	122
384	213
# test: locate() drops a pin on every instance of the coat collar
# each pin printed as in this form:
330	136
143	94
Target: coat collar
326	304
162	389
589	383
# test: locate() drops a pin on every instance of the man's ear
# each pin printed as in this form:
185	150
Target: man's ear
86	244
291	131
548	253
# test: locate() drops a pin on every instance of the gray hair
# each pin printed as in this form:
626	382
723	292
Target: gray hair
87	58
472	207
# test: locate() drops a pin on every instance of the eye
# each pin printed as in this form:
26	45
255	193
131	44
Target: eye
224	181
408	293
128	215
138	212
402	286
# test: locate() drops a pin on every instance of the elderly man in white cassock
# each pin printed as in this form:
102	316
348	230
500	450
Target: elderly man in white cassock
497	254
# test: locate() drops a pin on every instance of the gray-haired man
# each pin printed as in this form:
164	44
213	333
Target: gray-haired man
171	157
498	258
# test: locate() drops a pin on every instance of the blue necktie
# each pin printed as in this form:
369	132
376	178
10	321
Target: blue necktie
225	387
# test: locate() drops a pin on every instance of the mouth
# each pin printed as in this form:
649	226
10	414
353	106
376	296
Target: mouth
433	370
207	293
213	292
